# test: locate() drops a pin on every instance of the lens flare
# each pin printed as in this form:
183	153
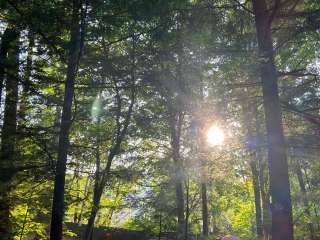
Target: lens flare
96	108
215	135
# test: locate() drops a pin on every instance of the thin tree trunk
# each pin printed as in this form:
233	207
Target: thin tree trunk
266	213
160	226
257	198
204	171
251	123
205	230
59	182
266	216
305	199
97	192
203	186
282	224
24	222
86	192
176	124
108	219
265	196
187	209
106	171
99	186
76	210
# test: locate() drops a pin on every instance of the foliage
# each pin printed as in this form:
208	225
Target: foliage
198	58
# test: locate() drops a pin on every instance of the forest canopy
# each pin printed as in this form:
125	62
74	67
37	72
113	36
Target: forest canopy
159	119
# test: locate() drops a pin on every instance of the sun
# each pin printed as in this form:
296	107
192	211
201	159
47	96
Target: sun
215	135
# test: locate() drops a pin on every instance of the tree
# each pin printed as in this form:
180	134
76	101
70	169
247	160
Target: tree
101	181
176	125
252	137
155	70
9	127
59	183
9	35
282	225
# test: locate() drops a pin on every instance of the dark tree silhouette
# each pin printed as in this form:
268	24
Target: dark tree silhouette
9	127
282	227
59	182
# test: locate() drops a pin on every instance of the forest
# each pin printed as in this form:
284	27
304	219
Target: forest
160	119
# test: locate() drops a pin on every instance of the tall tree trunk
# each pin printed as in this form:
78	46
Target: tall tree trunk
251	123
78	178
204	169
305	199
282	224
8	137
160	226
266	213
257	198
9	36
204	180
176	124
59	182
186	231
205	230
263	184
264	189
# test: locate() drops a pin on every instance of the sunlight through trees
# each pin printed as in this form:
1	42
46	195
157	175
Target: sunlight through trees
167	119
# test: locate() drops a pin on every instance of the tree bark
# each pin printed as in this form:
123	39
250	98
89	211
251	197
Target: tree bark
282	224
266	213
257	198
96	192
251	123
59	182
205	230
203	182
186	231
160	226
176	124
9	36
8	137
